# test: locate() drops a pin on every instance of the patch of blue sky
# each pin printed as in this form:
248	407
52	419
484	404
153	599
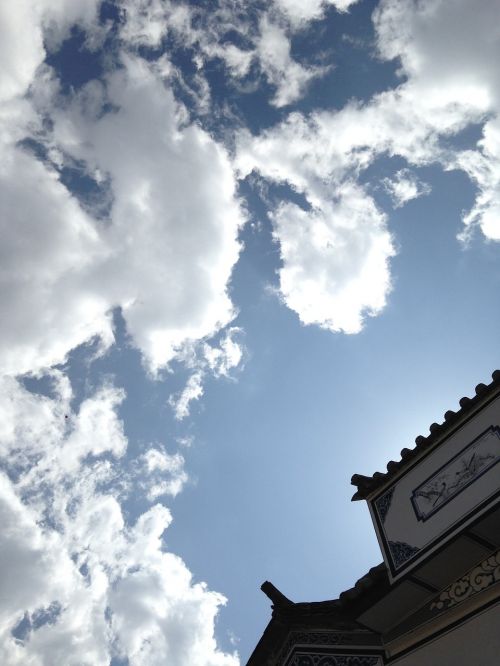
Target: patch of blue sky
75	63
260	257
119	661
346	41
22	629
110	14
357	74
36	148
76	60
95	197
41	385
39	618
466	139
123	365
247	98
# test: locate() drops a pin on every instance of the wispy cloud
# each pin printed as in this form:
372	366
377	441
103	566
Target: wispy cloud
405	186
206	360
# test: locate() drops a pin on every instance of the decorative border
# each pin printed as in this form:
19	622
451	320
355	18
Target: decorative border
346	643
319	659
383	503
438	486
401	552
484	575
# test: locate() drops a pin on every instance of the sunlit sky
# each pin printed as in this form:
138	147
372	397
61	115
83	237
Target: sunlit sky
248	250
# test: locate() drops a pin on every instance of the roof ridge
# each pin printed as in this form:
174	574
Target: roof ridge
367	484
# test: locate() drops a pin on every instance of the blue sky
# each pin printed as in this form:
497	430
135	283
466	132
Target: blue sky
249	249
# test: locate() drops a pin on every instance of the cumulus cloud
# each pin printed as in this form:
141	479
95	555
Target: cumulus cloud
336	249
174	213
164	257
335	260
105	587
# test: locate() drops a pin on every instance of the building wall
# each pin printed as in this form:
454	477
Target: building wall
474	643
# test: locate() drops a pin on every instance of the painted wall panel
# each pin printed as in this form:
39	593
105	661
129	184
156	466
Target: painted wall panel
444	491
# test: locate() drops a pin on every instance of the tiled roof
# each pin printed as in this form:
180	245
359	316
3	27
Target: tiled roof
367	484
338	614
369	584
283	607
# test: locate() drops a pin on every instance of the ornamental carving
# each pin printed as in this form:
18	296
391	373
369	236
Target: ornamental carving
304	646
401	552
383	503
457	474
478	579
334	660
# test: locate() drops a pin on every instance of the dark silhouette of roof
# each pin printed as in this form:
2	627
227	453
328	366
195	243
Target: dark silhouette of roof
339	614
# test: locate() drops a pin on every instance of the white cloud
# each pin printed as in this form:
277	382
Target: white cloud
335	260
335	251
266	33
205	359
448	52
49	247
24	25
77	571
165	474
448	82
21	47
285	74
405	186
299	12
227	356
167	253
67	546
148	21
193	390
483	167
175	218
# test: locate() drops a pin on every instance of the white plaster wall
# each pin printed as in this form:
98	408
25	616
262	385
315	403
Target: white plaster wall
474	643
401	523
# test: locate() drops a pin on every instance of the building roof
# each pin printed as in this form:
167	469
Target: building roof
366	485
343	614
336	614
